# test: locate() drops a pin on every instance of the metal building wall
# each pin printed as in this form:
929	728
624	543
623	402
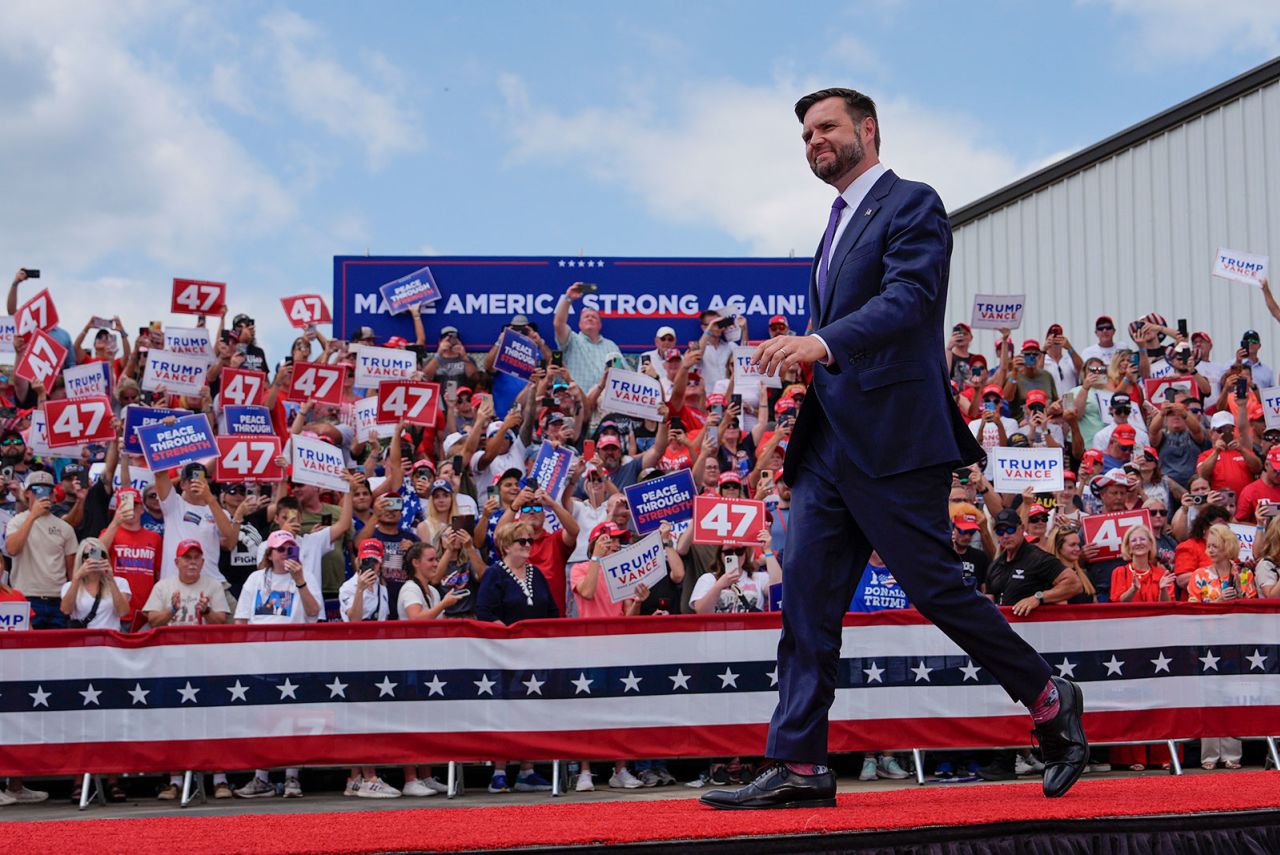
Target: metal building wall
1137	231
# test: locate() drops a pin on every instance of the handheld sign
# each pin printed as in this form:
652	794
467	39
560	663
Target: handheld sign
643	562
41	359
178	373
747	373
15	616
313	381
1106	530
418	287
375	364
242	458
1154	389
997	311
38	313
91	380
306	309
241	388
551	468
38	441
1019	468
318	463
1234	266
248	421
8	331
197	297
137	416
1247	534
170	446
517	355
77	422
1270	398
188	340
630	393
366	415
727	522
409	401
659	500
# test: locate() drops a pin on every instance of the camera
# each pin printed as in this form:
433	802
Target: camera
725	323
588	287
1199	500
31	273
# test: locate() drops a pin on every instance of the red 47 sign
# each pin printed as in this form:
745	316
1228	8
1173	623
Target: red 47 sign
78	422
1106	530
241	388
197	297
408	401
38	313
41	359
306	309
247	458
727	522
315	382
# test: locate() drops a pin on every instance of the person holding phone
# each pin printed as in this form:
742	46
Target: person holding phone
441	508
1264	492
94	597
1229	463
1266	552
192	512
395	541
1177	437
586	352
43	550
247	507
134	553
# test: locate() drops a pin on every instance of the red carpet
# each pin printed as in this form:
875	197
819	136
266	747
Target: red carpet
561	824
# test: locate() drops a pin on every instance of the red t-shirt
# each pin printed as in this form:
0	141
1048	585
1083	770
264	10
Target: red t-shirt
1247	501
550	554
1230	471
15	596
135	556
677	457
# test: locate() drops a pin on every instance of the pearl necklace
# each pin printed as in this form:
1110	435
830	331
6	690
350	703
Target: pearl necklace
526	584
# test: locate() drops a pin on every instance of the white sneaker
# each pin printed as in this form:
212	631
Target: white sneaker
650	778
698	782
624	780
417	787
375	788
293	789
435	786
1022	767
256	789
6	799
585	783
890	768
353	787
868	772
26	796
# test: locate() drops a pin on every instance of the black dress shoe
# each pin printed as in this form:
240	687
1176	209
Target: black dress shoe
1062	741
777	787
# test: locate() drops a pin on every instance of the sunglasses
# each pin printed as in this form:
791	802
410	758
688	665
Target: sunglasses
1156	513
1195	411
531	509
523	541
234	489
125	399
13	441
1105	328
593	479
1004	530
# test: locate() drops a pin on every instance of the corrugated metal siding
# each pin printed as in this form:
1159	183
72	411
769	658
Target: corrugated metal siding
1136	233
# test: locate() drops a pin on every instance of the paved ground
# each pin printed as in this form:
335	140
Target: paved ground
331	800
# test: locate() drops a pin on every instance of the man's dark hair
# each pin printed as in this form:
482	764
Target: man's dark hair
288	503
858	105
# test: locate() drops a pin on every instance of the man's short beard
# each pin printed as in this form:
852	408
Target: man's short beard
846	159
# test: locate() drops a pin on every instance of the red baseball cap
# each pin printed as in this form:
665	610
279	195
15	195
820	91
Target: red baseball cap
965	327
1037	510
1203	335
610	528
1091	456
185	546
1030	344
397	341
1037	396
1273	456
372	548
1125	435
1150	451
992	389
975	358
965	522
671	353
1068	475
730	477
778	320
608	441
1102	318
783	405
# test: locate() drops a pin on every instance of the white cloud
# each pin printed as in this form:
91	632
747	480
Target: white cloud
321	90
730	156
1170	31
852	53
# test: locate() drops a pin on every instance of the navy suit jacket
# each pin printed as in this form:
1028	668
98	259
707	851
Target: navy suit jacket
886	393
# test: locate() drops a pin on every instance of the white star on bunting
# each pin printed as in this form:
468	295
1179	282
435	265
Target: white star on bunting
582	684
679	680
436	686
139	694
288	689
40	697
337	689
484	685
632	682
873	673
970	671
1209	661
1066	668
922	672
1257	660
90	695
728	678
1115	666
238	692
188	693
773	676
386	687
1162	663
533	686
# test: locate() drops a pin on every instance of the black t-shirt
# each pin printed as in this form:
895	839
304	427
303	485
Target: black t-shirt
255	358
1100	575
97	514
664	595
236	564
1031	569
973	566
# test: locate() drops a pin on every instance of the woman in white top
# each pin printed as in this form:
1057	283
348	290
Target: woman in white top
1267	551
738	583
595	510
441	509
95	598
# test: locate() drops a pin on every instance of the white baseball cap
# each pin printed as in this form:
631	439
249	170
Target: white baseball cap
665	331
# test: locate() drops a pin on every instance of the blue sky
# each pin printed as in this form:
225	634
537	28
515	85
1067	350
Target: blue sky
253	142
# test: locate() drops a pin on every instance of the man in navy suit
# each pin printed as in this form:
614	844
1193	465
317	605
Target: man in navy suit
870	459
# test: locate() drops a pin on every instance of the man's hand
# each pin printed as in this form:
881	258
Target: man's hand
41	507
1025	606
786	352
574	291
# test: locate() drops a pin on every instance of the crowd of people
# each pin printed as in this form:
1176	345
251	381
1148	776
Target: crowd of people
443	521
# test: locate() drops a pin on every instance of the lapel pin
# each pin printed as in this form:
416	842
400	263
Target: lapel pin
868	213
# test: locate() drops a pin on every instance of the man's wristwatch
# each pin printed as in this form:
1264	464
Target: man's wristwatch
1040	596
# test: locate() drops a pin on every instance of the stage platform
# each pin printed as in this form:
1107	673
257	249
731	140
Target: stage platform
1221	812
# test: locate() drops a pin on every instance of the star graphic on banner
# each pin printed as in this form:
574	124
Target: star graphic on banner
436	686
631	682
90	695
1209	661
582	684
591	264
337	689
40	697
238	692
873	673
484	685
582	264
679	680
188	693
1115	667
562	262
386	687
287	689
728	678
139	694
1066	668
599	262
970	671
1162	663
922	672
1257	660
533	685
773	675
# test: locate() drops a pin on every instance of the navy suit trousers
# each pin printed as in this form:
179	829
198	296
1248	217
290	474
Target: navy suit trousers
839	514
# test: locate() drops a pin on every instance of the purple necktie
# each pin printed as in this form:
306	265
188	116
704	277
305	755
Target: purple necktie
836	207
